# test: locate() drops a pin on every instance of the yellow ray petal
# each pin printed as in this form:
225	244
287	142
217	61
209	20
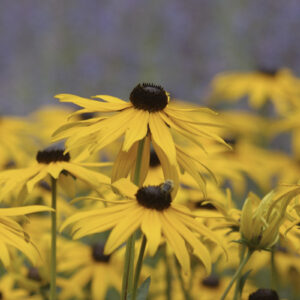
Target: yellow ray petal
198	248
126	187
54	169
170	171
96	224
161	135
177	244
19	211
87	214
123	163
4	255
90	177
151	227
137	128
38	177
92	105
100	275
124	229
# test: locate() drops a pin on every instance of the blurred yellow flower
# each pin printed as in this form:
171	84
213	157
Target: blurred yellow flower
55	163
279	86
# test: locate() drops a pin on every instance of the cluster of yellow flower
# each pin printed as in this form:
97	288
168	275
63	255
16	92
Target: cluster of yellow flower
182	198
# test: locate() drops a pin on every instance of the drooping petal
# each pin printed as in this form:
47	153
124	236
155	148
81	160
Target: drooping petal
137	128
161	135
198	248
177	244
151	227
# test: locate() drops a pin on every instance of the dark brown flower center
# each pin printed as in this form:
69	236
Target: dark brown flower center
264	294
154	160
33	273
155	197
149	97
97	253
48	156
211	281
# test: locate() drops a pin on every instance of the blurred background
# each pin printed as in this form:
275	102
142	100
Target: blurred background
89	47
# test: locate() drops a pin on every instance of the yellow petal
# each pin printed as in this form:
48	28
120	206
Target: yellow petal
124	229
19	211
177	244
161	135
198	248
151	227
123	163
126	187
137	128
4	255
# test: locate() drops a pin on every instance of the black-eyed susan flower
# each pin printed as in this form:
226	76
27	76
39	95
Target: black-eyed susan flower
55	163
150	114
261	220
92	266
280	86
150	209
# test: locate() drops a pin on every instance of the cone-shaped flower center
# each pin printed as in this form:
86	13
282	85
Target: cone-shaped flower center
48	156
272	72
264	294
33	273
155	197
149	97
97	253
154	160
211	281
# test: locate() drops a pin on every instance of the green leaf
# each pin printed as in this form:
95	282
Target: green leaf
142	291
243	280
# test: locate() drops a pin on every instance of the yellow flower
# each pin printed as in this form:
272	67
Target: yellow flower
150	209
49	162
12	234
279	86
91	265
261	220
150	114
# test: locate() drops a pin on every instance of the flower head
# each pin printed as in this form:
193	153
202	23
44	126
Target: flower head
261	219
151	115
151	209
55	163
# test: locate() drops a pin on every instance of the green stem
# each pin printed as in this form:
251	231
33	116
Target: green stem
237	273
127	281
186	294
53	242
138	267
168	278
237	286
139	155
